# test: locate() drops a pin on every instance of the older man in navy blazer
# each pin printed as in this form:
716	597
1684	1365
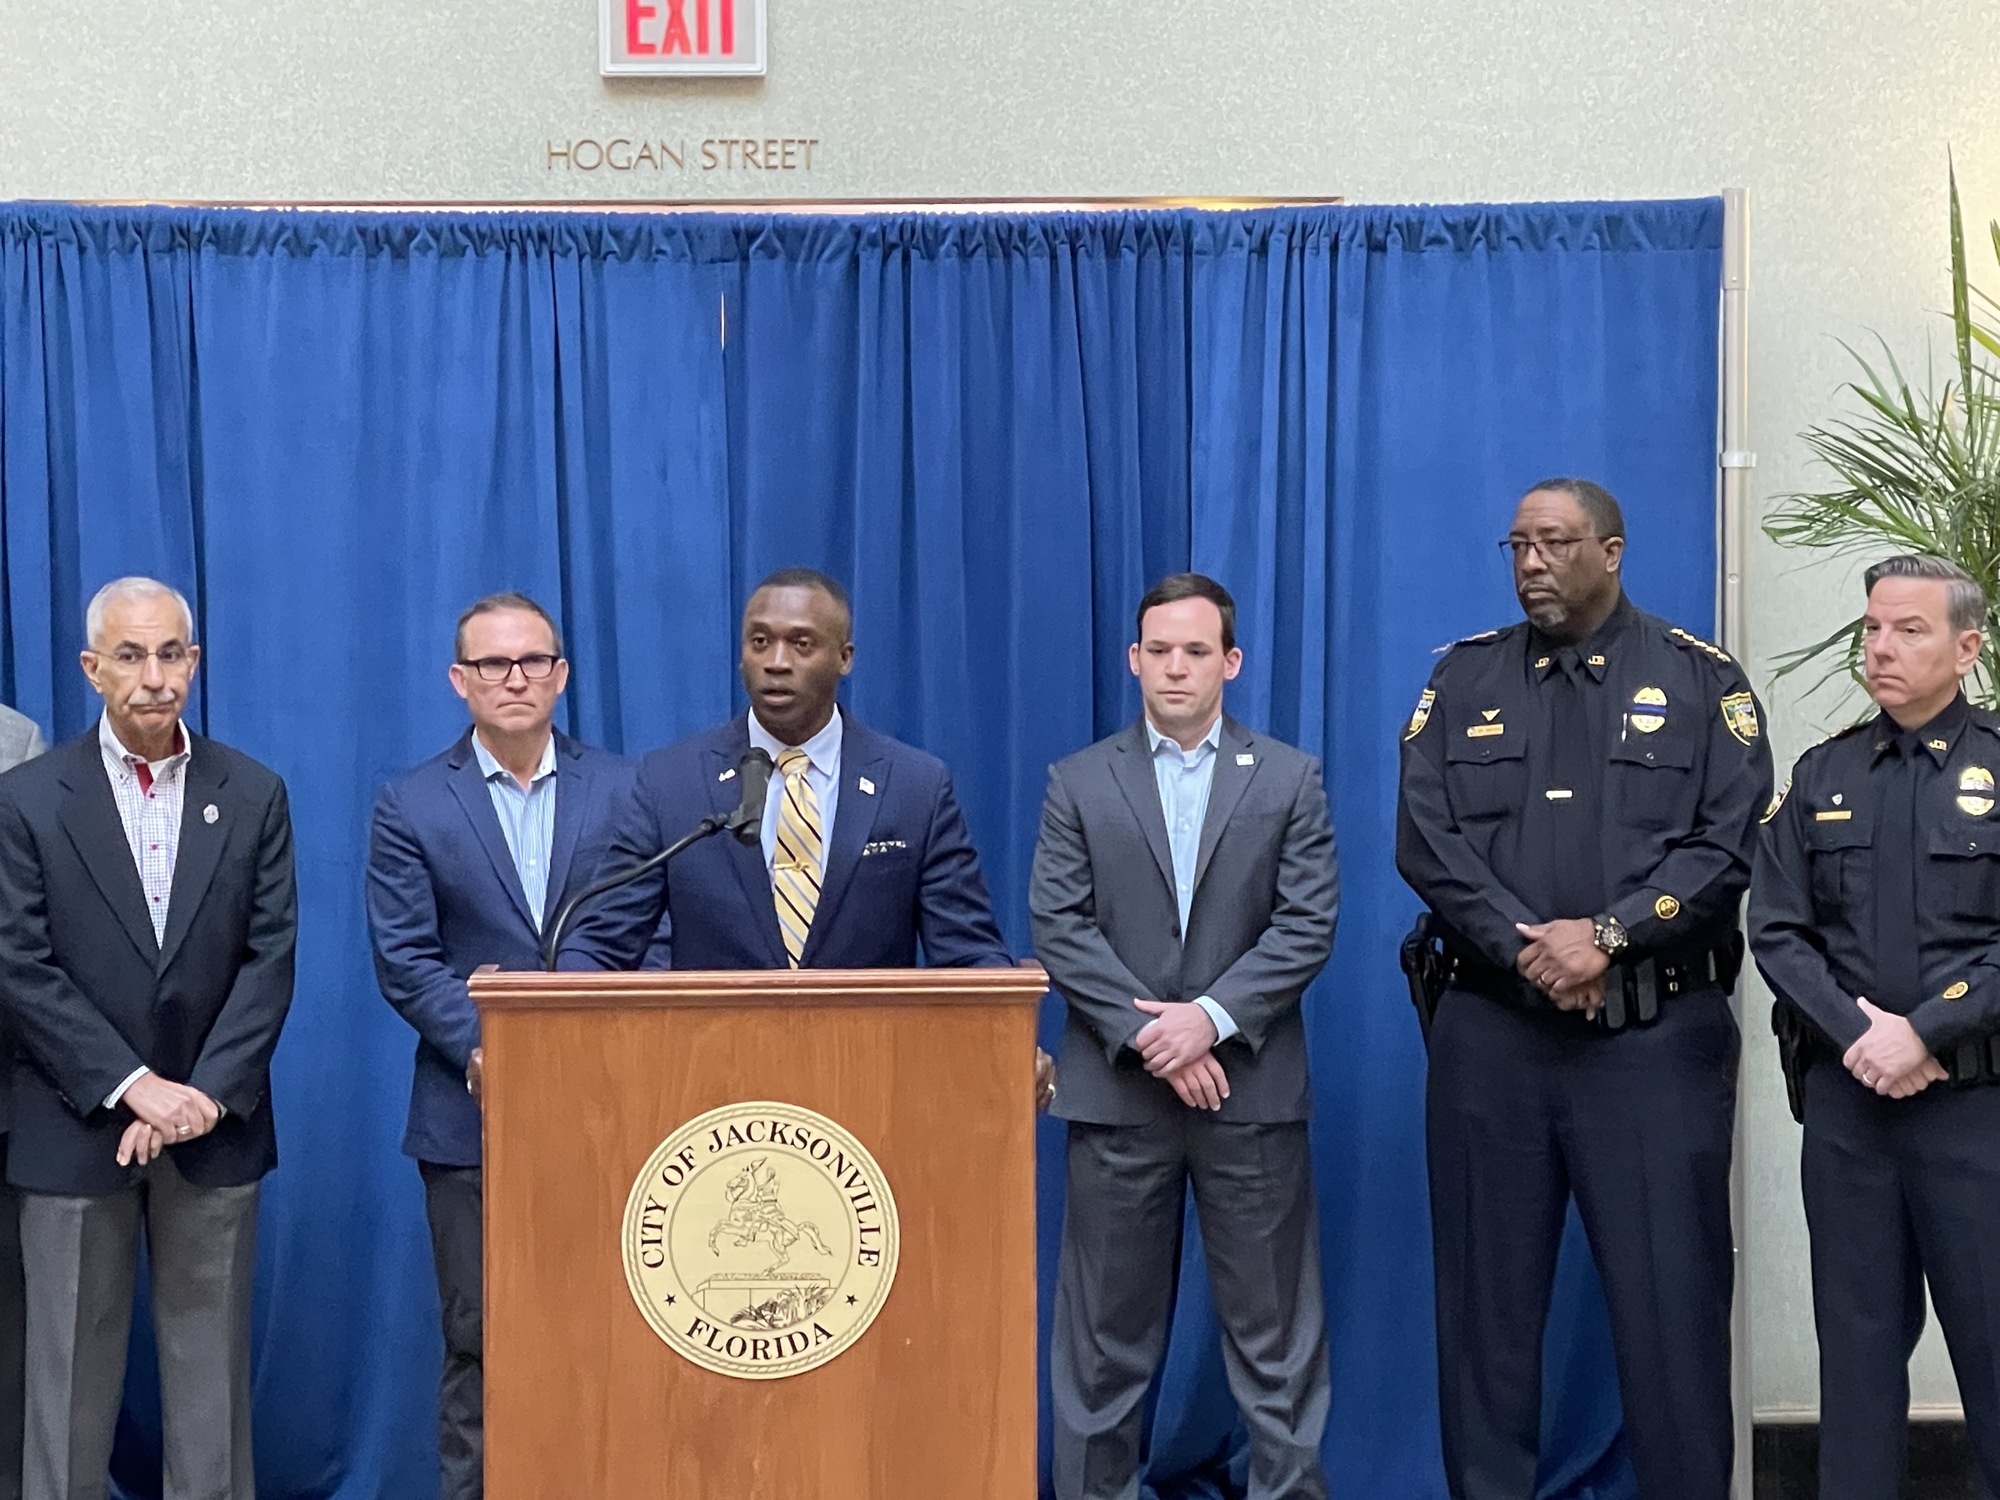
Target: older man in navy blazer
864	857
148	922
469	854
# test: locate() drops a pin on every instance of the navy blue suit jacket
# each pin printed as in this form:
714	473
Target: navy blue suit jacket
901	872
444	899
92	994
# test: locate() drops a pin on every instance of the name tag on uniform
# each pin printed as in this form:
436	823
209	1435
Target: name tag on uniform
1837	815
1484	731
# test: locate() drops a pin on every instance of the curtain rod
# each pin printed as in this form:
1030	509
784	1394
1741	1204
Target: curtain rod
721	206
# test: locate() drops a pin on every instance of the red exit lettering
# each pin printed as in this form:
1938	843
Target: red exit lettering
650	33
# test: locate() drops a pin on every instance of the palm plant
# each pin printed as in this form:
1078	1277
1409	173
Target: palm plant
1915	471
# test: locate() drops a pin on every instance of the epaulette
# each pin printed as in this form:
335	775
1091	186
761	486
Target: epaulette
1466	640
1696	643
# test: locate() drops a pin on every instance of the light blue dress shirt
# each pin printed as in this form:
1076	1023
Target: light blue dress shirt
822	775
1185	778
527	818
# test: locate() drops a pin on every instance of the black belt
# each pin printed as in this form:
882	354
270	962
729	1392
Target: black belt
1632	991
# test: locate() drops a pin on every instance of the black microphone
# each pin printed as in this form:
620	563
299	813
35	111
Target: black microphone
746	822
754	771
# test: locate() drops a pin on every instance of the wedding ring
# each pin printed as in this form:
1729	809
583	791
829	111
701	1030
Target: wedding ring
180	1130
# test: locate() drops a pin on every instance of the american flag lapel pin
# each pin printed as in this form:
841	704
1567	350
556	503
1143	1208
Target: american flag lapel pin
1246	759
727	774
866	785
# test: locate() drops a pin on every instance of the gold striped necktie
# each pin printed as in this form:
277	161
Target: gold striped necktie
800	856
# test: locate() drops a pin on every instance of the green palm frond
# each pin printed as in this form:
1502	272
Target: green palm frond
1915	468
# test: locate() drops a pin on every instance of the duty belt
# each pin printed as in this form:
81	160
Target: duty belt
1801	1044
1632	991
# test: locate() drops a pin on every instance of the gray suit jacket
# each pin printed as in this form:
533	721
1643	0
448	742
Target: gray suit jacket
1260	926
20	739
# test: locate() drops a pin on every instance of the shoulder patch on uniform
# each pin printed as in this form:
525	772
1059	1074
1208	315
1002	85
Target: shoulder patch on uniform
1466	640
1739	713
1421	715
1696	643
1777	801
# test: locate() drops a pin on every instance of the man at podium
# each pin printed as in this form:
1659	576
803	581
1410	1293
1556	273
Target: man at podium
863	857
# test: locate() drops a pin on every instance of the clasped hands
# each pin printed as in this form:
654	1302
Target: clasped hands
1175	1046
165	1114
1563	961
1891	1058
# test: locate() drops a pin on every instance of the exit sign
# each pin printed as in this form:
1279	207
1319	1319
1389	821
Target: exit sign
680	38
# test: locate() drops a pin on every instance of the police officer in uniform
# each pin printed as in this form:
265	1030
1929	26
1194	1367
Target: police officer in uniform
1579	802
1875	915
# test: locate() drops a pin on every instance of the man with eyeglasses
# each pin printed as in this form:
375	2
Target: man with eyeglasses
1580	795
469	855
148	919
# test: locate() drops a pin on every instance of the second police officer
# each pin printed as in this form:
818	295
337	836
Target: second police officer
1580	795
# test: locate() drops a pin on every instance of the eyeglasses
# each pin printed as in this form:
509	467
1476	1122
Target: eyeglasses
171	656
1554	549
499	668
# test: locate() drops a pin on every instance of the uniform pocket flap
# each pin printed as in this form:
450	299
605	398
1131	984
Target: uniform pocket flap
1654	750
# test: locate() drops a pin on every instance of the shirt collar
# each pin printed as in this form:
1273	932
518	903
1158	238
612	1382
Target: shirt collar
490	767
1937	737
1595	653
822	750
123	760
1210	741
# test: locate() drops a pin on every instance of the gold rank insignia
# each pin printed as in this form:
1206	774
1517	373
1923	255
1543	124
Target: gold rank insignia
1421	715
1975	791
1698	643
1666	908
1649	710
1777	801
1958	991
1739	712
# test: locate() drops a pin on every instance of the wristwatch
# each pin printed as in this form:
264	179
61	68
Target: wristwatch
1608	933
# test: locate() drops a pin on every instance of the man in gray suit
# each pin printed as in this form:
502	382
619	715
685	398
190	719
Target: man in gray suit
1183	896
20	741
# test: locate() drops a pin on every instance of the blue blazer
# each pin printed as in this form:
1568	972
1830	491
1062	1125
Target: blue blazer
444	899
901	872
92	995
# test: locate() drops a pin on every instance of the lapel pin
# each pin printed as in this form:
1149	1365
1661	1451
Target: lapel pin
1246	760
209	814
866	785
727	774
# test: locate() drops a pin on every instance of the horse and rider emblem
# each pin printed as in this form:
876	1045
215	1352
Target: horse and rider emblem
760	1240
755	1217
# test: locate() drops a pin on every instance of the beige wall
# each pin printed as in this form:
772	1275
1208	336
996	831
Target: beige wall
1835	114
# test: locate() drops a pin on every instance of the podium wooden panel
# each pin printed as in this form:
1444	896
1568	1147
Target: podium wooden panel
585	1074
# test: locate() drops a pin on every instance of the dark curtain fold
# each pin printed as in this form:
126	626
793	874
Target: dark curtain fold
334	431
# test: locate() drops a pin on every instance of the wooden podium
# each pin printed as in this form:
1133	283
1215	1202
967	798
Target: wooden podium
586	1075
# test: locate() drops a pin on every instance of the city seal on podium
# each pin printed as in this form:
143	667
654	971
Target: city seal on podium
760	1240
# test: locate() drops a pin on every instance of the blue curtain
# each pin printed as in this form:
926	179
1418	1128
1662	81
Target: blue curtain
333	431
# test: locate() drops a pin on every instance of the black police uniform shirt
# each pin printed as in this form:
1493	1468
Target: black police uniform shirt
1624	775
1840	908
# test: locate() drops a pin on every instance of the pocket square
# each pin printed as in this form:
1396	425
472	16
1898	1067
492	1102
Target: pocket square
883	846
